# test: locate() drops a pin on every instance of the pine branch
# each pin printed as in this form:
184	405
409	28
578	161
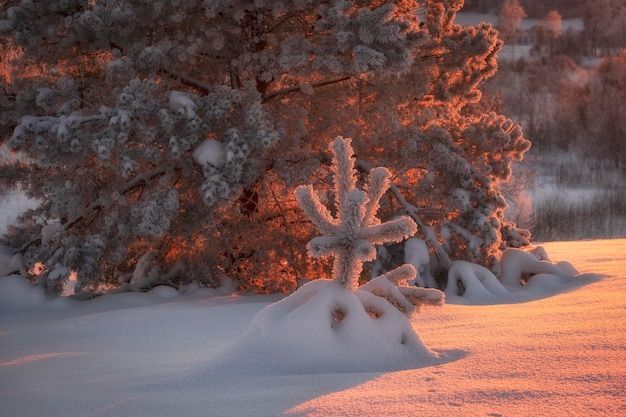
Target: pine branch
188	81
295	88
427	231
415	212
27	245
137	181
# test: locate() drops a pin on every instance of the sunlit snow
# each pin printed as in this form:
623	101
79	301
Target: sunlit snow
147	355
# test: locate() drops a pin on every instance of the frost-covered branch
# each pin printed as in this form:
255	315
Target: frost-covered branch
189	81
350	237
140	179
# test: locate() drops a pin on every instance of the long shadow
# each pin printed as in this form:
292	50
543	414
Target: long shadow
213	390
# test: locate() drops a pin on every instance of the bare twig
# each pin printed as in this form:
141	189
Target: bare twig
189	81
295	88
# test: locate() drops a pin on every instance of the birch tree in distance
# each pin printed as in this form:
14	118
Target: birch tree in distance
161	135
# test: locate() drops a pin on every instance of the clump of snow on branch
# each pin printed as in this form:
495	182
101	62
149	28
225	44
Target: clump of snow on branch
416	253
210	153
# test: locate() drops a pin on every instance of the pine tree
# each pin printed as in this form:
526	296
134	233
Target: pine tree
181	129
351	236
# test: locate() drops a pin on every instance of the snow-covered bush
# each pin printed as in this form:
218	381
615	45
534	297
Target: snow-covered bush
525	275
182	128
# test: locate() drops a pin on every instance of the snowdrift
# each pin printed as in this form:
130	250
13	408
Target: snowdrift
325	328
526	276
18	294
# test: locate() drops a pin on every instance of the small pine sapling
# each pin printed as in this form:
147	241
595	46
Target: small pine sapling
351	236
337	325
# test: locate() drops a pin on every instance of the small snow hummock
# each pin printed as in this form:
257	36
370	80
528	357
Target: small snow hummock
324	327
210	153
525	276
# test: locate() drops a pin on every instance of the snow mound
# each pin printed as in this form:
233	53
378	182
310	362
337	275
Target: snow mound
475	282
526	276
164	291
325	328
516	262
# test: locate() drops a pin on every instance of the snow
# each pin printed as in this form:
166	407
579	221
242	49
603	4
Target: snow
516	262
12	204
16	293
480	286
180	103
473	18
50	232
416	254
143	354
301	335
210	153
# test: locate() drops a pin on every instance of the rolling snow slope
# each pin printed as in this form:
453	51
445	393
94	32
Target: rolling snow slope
149	355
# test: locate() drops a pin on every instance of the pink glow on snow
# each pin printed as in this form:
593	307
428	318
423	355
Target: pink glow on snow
563	355
36	358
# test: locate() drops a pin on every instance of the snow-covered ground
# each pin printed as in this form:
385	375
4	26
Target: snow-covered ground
473	18
150	355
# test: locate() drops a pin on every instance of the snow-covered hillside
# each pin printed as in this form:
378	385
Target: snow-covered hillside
150	355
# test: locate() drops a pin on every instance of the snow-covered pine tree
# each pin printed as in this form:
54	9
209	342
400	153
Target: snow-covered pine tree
180	129
351	236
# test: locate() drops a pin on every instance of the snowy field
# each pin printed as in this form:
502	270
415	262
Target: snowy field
150	355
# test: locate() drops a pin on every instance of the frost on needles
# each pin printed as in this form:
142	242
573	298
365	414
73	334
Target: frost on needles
174	143
350	238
